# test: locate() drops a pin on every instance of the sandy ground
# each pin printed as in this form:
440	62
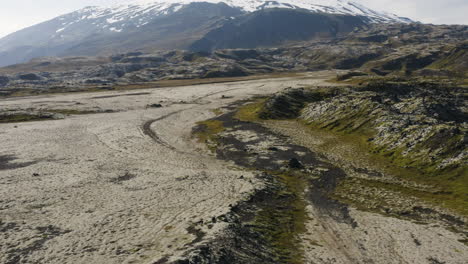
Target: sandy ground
380	240
122	187
131	185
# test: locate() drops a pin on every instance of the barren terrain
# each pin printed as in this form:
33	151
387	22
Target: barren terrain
118	178
121	186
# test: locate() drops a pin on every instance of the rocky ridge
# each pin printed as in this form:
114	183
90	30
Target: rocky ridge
419	50
257	136
419	129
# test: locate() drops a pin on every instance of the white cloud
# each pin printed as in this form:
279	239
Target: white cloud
18	14
426	11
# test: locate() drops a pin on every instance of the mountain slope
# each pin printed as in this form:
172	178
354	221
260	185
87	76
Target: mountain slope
275	27
175	31
170	24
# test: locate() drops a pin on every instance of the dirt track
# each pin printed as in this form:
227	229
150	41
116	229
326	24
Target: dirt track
118	187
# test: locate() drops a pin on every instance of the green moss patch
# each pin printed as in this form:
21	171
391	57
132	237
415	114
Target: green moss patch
282	220
410	130
207	132
251	111
16	118
70	111
279	214
449	186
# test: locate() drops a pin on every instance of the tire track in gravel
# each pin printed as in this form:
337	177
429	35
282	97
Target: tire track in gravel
152	134
146	127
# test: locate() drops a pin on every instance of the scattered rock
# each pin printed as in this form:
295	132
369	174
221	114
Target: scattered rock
154	106
295	164
122	178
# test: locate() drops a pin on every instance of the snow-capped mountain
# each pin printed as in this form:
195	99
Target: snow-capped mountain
122	16
327	6
168	24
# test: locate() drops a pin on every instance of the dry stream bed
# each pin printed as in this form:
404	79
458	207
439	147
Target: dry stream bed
306	218
120	178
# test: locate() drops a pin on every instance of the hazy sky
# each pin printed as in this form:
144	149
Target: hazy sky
17	14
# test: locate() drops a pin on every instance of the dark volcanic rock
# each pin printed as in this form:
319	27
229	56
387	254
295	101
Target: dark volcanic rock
413	50
155	106
226	72
247	237
273	27
29	77
289	103
4	81
295	164
428	121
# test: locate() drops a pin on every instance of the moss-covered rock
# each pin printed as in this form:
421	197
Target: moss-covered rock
418	128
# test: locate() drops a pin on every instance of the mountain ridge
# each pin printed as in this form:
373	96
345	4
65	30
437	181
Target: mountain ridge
158	25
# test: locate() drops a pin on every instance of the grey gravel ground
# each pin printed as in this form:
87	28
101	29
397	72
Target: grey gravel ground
126	186
99	188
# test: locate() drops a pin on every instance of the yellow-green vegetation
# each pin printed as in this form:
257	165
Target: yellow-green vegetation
70	111
380	195
15	118
352	77
43	114
350	124
346	133
250	112
357	128
450	186
452	62
464	82
321	93
217	111
348	121
282	220
206	132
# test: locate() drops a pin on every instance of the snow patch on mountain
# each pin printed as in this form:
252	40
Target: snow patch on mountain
327	6
140	12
